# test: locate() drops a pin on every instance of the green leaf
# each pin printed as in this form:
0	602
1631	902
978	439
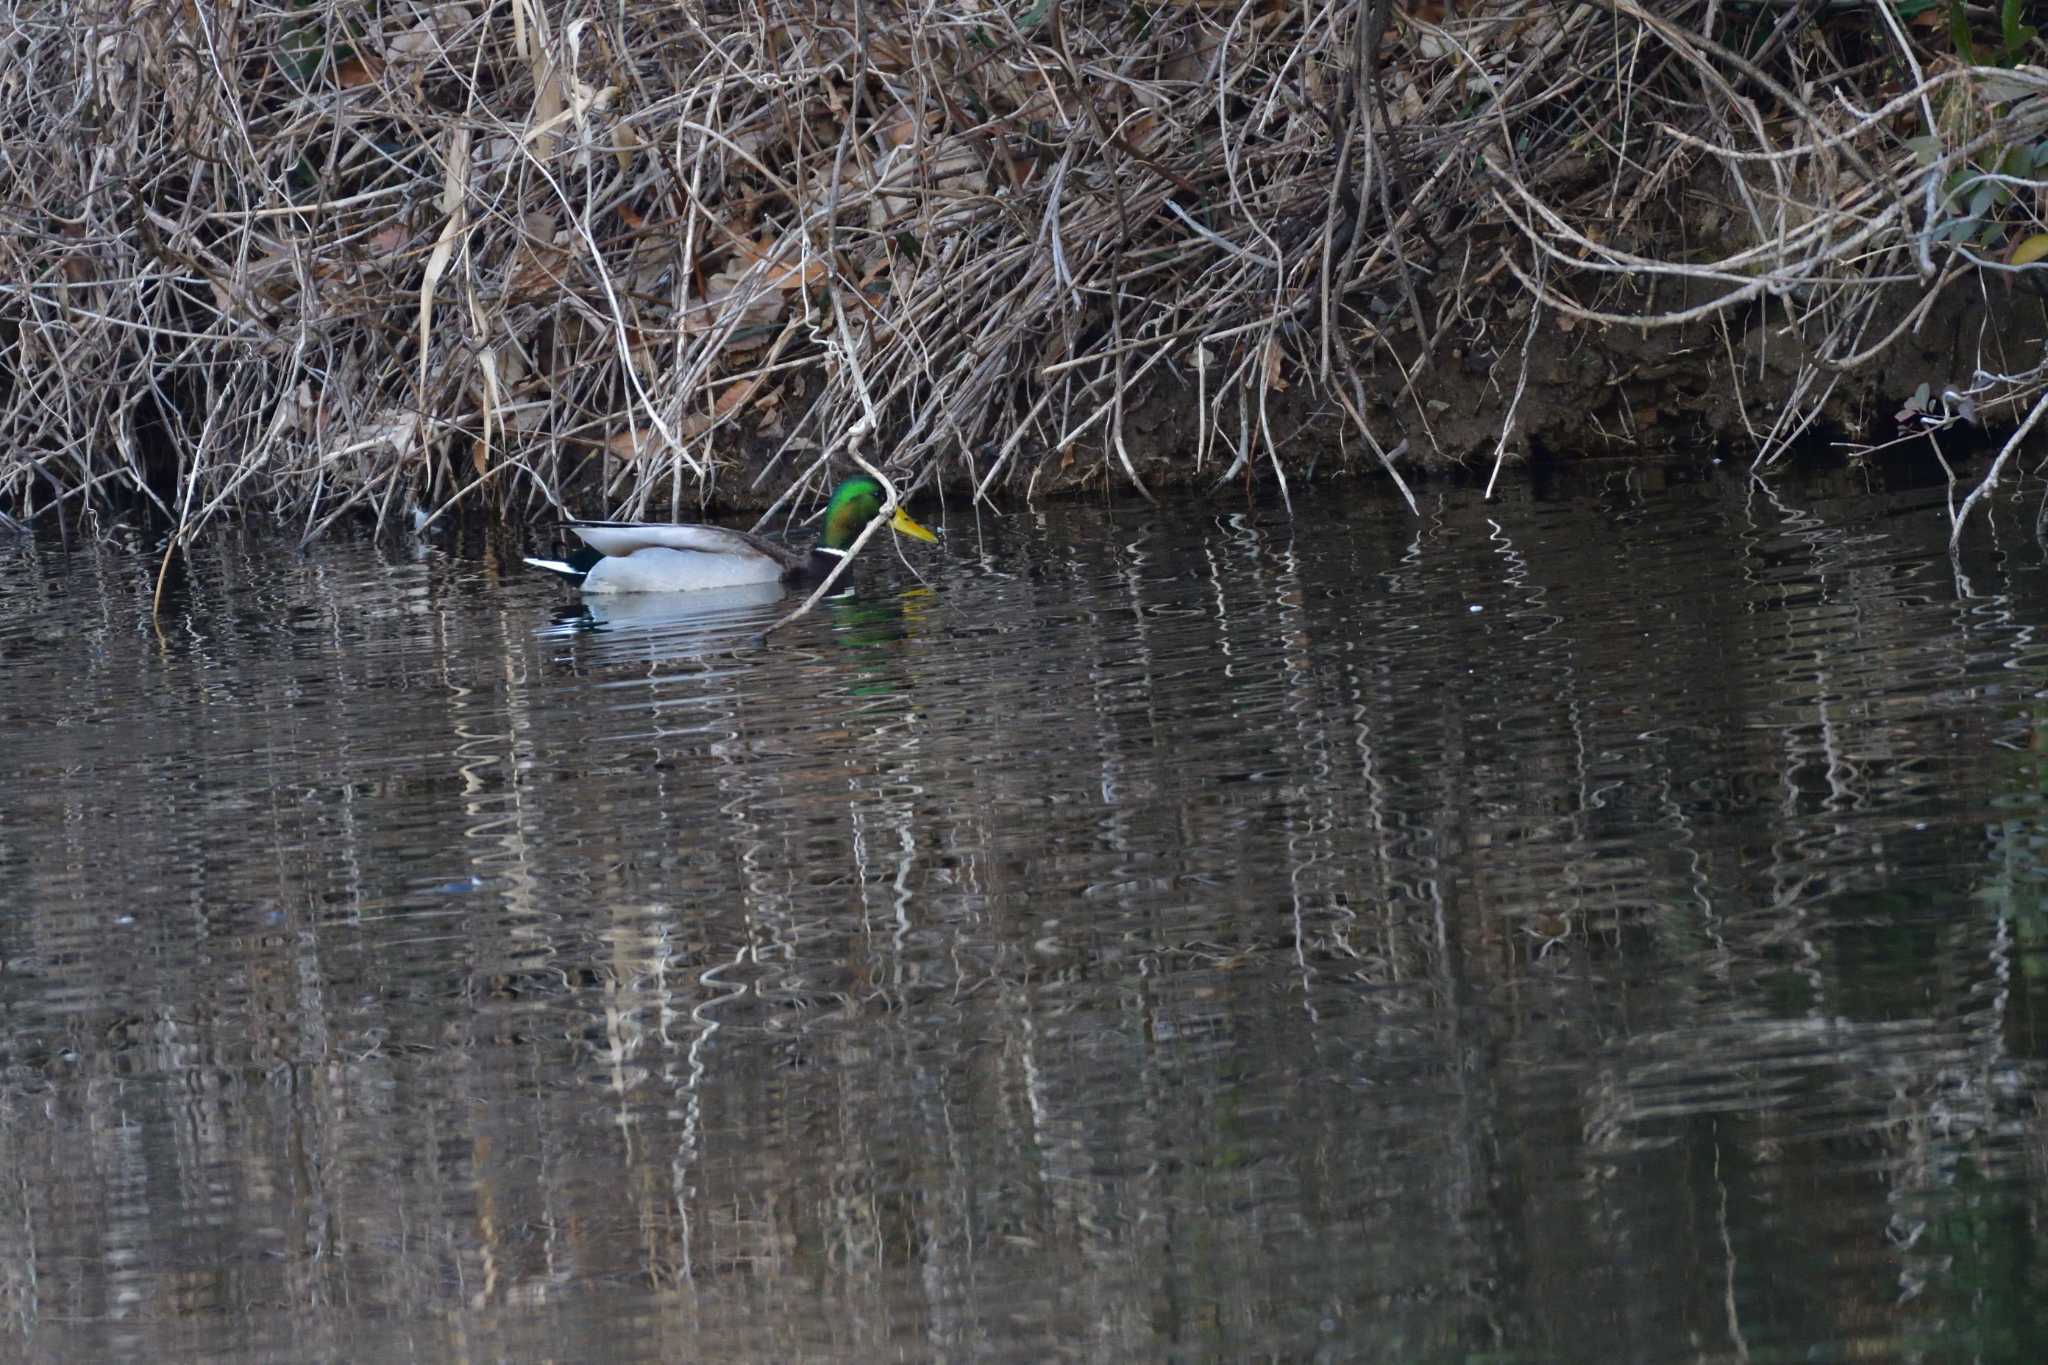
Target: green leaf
1959	31
1999	89
305	48
2017	35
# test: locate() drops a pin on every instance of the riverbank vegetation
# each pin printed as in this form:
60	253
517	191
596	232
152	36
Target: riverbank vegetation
323	259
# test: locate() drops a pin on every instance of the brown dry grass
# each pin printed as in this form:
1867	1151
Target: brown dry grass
322	258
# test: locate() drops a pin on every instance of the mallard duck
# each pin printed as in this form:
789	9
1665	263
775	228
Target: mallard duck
641	556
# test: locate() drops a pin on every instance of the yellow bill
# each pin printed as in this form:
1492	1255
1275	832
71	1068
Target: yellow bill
905	525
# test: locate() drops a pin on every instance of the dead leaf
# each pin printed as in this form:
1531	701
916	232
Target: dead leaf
1408	108
550	107
358	71
782	267
454	186
736	395
900	128
701	315
628	444
1274	379
421	40
626	144
888	56
538	265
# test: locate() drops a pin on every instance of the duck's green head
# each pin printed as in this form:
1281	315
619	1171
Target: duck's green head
854	504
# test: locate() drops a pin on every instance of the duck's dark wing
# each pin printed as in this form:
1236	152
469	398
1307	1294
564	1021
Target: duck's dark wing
624	537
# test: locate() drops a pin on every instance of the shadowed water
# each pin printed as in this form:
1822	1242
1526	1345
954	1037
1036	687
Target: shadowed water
1597	926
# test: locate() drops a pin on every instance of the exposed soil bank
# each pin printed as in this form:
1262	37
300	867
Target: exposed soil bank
1590	391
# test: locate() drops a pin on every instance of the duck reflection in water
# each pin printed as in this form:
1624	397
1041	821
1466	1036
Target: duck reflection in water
648	627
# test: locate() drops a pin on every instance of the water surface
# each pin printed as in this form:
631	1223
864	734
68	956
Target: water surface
1596	925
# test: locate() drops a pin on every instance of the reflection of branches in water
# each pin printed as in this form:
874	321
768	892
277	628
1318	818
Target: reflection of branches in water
999	937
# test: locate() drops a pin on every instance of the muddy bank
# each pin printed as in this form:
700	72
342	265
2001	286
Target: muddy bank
1587	391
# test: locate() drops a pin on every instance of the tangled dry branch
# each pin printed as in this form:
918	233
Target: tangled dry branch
319	258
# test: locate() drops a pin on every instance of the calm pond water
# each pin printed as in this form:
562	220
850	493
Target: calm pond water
1600	925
